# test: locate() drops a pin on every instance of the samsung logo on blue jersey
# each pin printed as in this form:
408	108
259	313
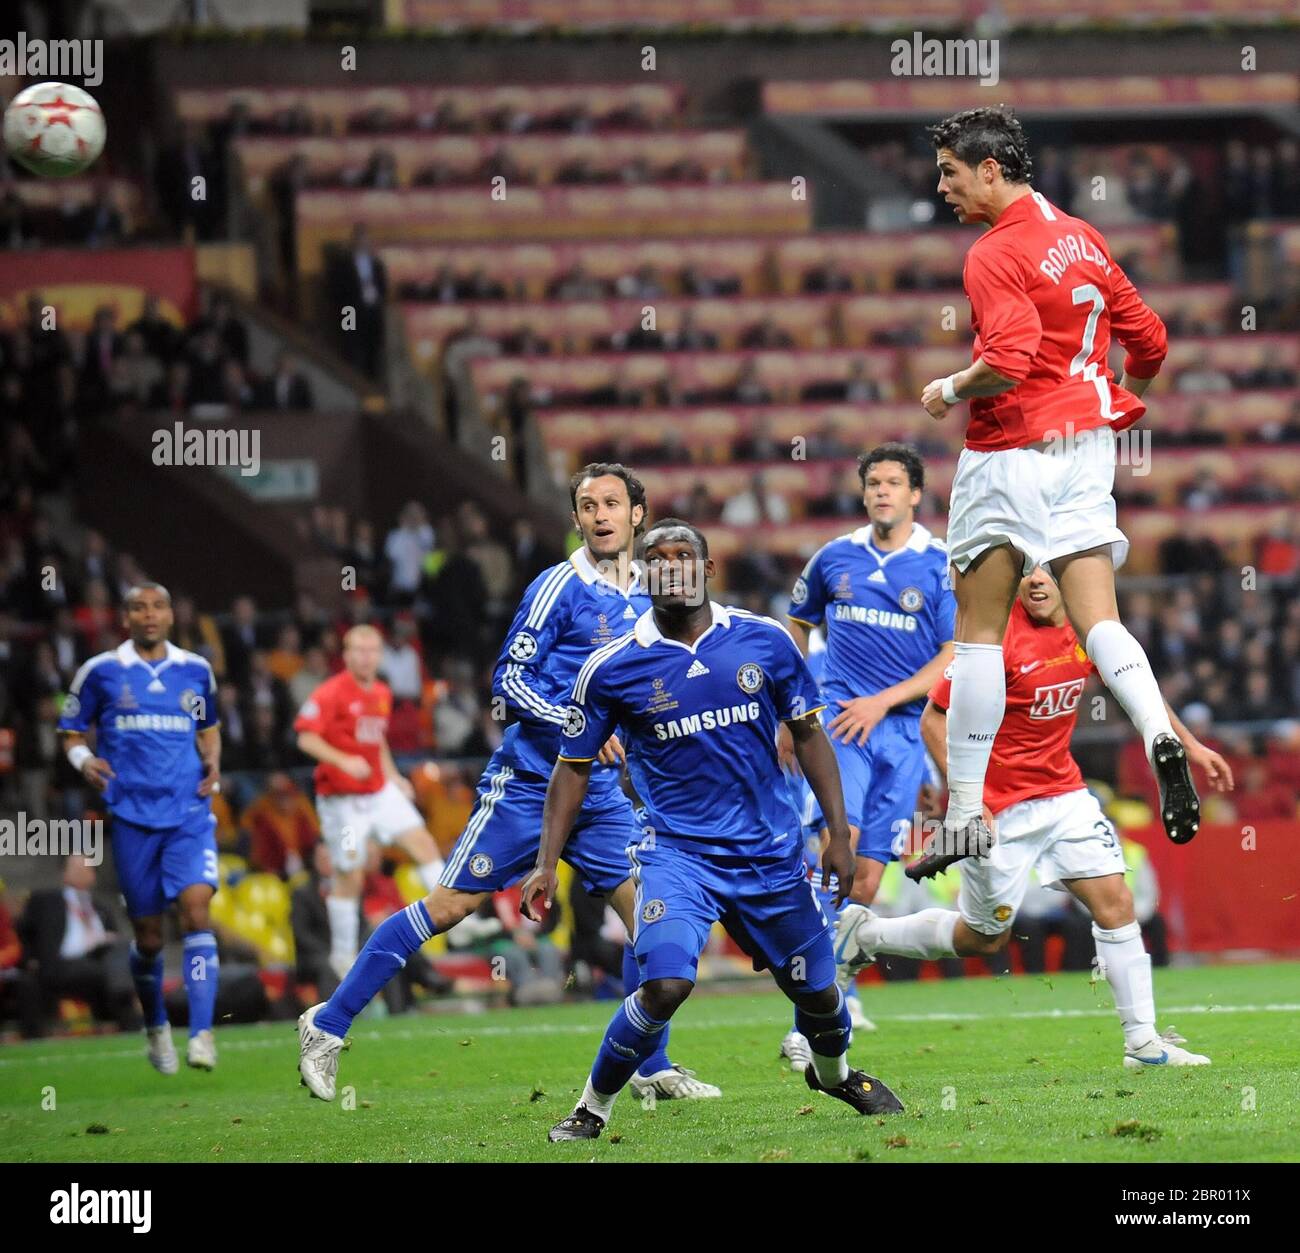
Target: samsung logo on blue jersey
153	722
709	720
876	617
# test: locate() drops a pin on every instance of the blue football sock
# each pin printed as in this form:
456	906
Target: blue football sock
201	969
148	975
631	1036
384	954
658	1060
828	1037
827	1034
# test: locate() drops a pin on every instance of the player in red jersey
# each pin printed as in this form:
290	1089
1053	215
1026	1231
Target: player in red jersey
359	791
1046	819
1034	482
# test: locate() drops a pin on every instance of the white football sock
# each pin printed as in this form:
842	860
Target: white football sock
345	921
927	934
430	872
597	1102
1124	669
975	709
1127	967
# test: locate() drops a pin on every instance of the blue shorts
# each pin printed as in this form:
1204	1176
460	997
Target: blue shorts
155	865
767	906
881	780
499	844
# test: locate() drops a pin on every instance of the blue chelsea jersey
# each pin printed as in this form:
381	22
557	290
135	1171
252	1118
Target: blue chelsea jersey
699	724
567	613
145	716
885	614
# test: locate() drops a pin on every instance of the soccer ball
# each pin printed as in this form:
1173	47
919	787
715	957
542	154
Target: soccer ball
54	129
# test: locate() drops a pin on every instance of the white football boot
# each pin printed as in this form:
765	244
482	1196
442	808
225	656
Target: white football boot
161	1050
318	1055
852	954
1160	1051
201	1052
675	1084
795	1049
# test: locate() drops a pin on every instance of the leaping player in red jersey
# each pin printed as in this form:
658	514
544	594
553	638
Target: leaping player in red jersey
360	793
1034	483
1045	818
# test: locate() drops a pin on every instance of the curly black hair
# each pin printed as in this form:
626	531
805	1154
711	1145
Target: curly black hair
904	454
992	131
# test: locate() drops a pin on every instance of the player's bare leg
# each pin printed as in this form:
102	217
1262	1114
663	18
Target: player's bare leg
385	953
631	1037
1087	583
147	973
201	969
658	1077
424	852
1123	960
985	594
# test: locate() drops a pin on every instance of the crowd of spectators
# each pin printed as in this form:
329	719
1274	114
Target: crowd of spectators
53	380
446	118
72	223
379	172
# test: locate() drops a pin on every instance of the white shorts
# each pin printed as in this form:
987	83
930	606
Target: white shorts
1046	502
348	820
1065	837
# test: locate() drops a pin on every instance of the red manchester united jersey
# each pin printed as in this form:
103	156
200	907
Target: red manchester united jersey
1046	671
1046	300
353	719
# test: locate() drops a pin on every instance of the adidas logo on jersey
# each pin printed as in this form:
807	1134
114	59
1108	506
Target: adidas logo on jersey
697	668
629	612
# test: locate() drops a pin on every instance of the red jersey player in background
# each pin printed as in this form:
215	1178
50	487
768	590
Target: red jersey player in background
1046	819
360	793
1034	483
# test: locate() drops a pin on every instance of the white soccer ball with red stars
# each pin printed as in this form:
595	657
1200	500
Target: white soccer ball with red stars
54	129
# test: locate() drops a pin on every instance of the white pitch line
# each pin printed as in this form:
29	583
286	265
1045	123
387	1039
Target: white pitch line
543	1029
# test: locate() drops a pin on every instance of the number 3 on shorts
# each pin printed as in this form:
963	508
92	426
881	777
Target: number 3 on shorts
1106	831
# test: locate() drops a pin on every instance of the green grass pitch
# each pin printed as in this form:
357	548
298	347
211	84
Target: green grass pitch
1012	1069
